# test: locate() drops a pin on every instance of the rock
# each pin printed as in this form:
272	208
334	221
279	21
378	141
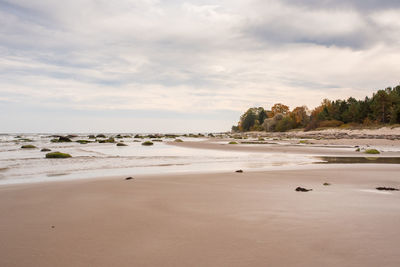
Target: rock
61	139
64	139
301	189
28	146
326	184
121	144
57	155
100	136
387	188
239	171
83	142
45	150
372	151
109	140
147	143
128	178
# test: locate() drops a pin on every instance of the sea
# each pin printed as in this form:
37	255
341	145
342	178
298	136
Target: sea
19	165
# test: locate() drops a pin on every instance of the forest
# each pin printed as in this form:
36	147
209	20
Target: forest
380	109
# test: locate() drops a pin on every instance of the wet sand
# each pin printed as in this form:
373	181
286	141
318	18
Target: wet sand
226	219
314	147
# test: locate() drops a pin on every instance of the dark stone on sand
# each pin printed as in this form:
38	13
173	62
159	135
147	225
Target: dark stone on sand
100	136
45	150
382	188
301	189
128	178
326	184
239	171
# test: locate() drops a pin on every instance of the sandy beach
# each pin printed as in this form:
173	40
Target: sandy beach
336	147
146	133
224	219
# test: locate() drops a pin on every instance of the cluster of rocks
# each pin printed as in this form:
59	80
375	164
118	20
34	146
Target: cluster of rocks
325	135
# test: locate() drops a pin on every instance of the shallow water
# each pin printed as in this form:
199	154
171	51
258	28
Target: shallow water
95	159
104	159
365	160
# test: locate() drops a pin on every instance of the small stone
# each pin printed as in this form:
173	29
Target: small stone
239	171
128	178
326	184
387	188
301	189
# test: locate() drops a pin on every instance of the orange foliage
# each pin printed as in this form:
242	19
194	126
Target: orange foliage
280	108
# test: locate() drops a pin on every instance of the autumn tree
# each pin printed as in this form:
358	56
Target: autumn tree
299	116
279	108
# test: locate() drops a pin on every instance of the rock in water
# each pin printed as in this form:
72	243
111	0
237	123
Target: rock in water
301	189
121	144
64	139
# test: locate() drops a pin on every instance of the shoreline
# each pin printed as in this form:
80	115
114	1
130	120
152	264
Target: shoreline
254	218
323	148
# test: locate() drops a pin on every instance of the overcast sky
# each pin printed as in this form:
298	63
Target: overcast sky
179	66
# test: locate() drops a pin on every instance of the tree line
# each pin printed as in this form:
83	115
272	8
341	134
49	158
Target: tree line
382	108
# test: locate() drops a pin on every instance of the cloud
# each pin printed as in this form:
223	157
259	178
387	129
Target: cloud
191	57
363	5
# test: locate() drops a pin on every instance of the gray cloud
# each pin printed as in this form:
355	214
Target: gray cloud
193	56
365	5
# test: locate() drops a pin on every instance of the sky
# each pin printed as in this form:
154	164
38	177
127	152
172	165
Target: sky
186	66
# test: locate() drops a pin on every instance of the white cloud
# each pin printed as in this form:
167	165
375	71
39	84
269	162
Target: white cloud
191	56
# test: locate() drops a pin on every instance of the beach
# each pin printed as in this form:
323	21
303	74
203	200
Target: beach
224	219
207	215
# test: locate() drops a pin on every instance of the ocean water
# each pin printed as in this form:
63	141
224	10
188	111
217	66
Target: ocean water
19	165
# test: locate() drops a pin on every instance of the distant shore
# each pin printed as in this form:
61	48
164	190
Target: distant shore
337	142
389	133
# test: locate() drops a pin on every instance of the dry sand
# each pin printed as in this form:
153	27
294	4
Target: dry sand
226	219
